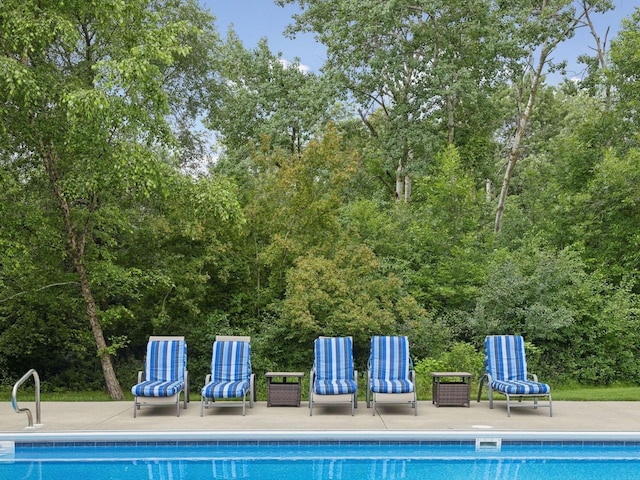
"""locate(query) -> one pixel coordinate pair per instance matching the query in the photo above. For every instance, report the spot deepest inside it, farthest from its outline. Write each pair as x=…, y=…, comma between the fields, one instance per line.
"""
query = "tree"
x=418, y=71
x=624, y=77
x=85, y=91
x=263, y=99
x=534, y=29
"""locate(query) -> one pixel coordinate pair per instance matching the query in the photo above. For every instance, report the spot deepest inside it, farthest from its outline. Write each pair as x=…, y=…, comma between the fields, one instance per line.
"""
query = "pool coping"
x=319, y=436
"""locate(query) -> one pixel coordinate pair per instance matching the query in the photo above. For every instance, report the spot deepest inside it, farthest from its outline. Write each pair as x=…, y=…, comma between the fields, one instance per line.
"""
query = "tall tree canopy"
x=86, y=89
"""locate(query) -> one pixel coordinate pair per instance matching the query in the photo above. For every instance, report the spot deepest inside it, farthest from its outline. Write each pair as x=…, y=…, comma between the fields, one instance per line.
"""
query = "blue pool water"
x=347, y=460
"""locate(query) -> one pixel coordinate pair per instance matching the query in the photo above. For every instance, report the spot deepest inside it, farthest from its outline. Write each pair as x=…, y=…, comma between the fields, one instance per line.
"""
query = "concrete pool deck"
x=101, y=417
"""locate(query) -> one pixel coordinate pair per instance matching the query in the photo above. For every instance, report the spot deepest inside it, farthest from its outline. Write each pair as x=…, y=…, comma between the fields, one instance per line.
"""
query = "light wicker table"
x=284, y=392
x=451, y=388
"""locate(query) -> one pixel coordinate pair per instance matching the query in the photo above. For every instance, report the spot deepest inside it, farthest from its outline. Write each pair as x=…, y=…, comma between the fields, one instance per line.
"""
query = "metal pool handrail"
x=14, y=393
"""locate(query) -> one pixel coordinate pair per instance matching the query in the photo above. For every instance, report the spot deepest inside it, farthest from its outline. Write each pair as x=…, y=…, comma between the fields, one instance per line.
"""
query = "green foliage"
x=461, y=357
x=296, y=231
x=532, y=292
x=623, y=75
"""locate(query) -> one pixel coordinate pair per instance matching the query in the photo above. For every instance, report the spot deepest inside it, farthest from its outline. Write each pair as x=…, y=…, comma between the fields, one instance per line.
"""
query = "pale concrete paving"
x=118, y=417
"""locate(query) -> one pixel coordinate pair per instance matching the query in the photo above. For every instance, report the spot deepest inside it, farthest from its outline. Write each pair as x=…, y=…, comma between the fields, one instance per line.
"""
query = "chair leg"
x=135, y=406
x=252, y=389
x=373, y=412
x=480, y=389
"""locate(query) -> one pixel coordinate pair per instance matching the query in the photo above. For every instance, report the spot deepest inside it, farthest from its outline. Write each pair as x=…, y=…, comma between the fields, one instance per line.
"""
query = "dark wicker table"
x=283, y=392
x=451, y=388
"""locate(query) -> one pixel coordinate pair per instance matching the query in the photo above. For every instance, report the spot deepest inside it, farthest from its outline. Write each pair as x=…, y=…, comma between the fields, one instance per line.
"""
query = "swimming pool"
x=502, y=455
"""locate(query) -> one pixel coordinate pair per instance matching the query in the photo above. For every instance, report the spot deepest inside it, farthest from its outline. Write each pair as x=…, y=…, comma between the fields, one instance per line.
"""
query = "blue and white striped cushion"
x=520, y=387
x=165, y=366
x=391, y=386
x=505, y=358
x=226, y=389
x=333, y=365
x=334, y=387
x=389, y=363
x=230, y=370
x=157, y=388
x=506, y=362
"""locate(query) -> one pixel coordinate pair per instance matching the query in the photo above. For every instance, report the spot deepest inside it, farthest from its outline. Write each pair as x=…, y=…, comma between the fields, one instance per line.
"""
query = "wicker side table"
x=451, y=388
x=283, y=393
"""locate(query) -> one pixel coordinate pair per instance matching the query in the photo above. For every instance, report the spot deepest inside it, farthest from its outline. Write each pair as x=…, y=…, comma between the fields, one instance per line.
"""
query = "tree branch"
x=3, y=300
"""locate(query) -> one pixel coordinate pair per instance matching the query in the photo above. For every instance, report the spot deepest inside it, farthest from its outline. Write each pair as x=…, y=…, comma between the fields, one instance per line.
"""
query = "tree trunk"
x=521, y=128
x=546, y=48
x=76, y=245
x=399, y=183
x=407, y=188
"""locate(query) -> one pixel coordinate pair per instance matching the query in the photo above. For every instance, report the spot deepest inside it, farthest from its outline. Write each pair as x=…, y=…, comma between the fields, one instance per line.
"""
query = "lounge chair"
x=333, y=379
x=230, y=376
x=506, y=373
x=165, y=374
x=391, y=378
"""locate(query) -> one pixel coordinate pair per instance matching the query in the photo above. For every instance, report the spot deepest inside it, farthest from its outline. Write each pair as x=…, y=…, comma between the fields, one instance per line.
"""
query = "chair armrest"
x=140, y=376
x=533, y=377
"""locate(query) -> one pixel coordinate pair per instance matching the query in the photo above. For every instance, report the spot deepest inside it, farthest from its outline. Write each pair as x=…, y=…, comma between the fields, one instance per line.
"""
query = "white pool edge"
x=318, y=436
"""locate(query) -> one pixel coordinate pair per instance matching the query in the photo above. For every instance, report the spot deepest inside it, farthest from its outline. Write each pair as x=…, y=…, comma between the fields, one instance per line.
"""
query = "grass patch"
x=575, y=393
x=597, y=394
x=29, y=396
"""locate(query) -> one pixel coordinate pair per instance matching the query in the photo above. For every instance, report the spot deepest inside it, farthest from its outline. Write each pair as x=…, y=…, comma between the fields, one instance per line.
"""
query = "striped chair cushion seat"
x=520, y=387
x=157, y=388
x=334, y=387
x=391, y=386
x=236, y=389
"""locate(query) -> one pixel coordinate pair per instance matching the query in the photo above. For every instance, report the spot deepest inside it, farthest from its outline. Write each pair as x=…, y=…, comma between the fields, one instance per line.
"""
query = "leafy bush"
x=462, y=357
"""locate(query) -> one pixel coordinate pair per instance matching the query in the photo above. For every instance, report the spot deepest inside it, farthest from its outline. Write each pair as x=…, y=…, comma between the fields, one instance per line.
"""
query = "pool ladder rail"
x=14, y=400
